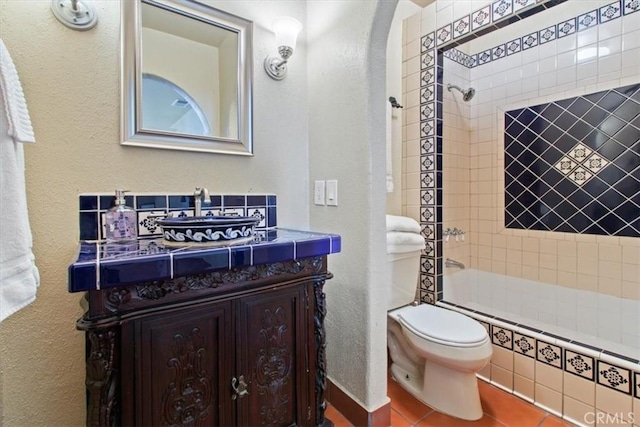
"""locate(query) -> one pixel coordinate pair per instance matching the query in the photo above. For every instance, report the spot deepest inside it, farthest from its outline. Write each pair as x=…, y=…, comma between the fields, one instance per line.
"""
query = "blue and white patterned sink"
x=208, y=229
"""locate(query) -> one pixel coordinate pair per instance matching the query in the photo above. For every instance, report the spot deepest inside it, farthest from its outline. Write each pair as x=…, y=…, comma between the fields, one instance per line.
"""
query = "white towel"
x=401, y=242
x=402, y=223
x=389, y=142
x=19, y=278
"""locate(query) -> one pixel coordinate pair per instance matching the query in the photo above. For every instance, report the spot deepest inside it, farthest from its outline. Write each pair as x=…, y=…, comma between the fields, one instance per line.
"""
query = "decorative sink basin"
x=210, y=230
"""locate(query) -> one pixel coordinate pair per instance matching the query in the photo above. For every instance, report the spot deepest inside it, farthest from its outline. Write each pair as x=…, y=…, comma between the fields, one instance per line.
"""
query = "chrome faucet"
x=201, y=194
x=451, y=263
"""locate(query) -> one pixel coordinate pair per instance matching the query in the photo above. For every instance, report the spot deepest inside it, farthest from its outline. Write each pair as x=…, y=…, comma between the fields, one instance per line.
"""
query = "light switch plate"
x=318, y=193
x=332, y=192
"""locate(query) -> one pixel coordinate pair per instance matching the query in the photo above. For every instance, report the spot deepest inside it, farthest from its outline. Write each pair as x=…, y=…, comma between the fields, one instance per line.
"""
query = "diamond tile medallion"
x=573, y=165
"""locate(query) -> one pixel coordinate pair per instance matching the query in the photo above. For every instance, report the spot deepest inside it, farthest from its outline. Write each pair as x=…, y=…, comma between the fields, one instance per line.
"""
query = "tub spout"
x=200, y=194
x=452, y=263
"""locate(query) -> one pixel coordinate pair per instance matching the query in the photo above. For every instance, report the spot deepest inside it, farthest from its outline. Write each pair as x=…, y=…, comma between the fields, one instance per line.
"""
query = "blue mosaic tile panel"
x=573, y=165
x=149, y=207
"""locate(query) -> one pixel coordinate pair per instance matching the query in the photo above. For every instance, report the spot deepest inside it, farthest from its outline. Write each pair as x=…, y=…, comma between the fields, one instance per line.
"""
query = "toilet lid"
x=442, y=325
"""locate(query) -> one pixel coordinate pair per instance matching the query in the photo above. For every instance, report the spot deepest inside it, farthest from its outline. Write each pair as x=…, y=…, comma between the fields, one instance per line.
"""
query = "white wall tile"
x=610, y=29
x=613, y=402
x=566, y=59
x=567, y=43
x=578, y=412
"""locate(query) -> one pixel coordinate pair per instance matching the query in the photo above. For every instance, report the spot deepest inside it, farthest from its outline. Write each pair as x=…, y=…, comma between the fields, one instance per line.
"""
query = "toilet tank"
x=405, y=270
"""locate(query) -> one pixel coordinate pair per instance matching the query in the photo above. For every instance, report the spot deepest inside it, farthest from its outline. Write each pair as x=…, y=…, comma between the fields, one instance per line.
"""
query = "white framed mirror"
x=186, y=77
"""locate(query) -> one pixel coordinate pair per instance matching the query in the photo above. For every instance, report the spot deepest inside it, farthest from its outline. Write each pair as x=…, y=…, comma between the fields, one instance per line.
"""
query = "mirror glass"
x=186, y=77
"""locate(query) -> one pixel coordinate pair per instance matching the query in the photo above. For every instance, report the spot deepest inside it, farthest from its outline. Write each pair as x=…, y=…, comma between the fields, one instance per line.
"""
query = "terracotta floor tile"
x=398, y=420
x=553, y=421
x=507, y=408
x=436, y=419
x=404, y=402
x=336, y=417
x=501, y=409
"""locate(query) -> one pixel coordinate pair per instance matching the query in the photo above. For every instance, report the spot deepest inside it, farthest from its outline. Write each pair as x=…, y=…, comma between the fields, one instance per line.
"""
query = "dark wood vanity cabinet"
x=239, y=348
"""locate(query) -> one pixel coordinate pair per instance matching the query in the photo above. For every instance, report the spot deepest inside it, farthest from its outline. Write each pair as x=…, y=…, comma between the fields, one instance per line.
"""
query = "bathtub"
x=569, y=351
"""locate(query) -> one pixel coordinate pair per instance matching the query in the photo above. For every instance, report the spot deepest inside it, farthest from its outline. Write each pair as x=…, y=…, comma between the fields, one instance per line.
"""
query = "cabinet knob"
x=239, y=387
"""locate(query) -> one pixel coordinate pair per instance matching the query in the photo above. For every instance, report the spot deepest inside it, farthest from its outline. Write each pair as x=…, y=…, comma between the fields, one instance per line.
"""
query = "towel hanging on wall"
x=389, y=145
x=19, y=278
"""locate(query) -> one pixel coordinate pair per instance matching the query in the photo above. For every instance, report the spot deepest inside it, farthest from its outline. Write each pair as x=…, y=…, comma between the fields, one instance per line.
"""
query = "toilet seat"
x=443, y=326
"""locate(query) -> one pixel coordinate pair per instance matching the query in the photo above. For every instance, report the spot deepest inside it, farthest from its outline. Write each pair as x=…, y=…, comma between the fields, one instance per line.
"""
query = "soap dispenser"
x=120, y=221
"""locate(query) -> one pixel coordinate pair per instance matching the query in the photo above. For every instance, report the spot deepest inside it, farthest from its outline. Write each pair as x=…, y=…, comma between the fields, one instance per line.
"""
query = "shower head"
x=466, y=94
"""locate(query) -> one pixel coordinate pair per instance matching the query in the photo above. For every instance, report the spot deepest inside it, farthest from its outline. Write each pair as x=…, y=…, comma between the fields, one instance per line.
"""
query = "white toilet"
x=435, y=352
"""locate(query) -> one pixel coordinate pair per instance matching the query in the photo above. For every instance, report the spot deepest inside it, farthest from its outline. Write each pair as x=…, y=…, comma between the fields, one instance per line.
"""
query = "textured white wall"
x=346, y=71
x=71, y=82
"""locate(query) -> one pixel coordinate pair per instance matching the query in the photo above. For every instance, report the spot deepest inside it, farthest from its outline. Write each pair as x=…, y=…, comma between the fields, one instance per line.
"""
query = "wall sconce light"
x=75, y=14
x=286, y=29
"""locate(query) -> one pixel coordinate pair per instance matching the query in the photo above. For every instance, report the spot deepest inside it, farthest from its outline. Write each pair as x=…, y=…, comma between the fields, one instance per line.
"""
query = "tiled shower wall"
x=560, y=68
x=601, y=52
x=601, y=56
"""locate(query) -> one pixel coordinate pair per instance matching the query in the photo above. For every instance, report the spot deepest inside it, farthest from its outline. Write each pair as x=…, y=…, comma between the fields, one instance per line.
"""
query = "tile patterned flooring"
x=501, y=409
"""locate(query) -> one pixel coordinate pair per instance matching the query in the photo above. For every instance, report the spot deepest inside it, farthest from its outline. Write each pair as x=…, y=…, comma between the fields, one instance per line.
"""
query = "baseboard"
x=356, y=414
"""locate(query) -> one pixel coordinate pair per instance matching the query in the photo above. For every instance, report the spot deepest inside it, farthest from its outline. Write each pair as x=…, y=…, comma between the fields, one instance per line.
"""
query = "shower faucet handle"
x=448, y=232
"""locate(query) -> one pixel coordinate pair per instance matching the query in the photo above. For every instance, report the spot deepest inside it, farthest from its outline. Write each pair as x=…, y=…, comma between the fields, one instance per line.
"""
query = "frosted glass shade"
x=286, y=29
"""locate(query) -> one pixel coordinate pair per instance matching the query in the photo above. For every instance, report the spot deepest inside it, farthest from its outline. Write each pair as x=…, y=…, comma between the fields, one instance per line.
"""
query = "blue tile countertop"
x=99, y=265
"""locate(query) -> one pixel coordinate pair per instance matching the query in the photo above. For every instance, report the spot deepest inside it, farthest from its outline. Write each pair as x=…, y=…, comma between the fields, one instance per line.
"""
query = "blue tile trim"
x=241, y=257
x=93, y=206
x=149, y=260
x=133, y=271
x=336, y=244
x=81, y=277
x=192, y=262
x=275, y=253
x=306, y=249
x=88, y=203
x=234, y=201
x=256, y=200
x=89, y=225
x=182, y=202
x=151, y=202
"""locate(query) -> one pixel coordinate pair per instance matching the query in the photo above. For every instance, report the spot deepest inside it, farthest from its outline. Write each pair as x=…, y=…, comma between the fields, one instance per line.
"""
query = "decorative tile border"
x=433, y=45
x=549, y=349
x=149, y=207
x=562, y=29
x=579, y=364
x=524, y=345
x=502, y=337
x=614, y=377
x=549, y=354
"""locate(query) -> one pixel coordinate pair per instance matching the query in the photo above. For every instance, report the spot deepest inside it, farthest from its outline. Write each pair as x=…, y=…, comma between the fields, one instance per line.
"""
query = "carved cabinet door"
x=183, y=364
x=273, y=358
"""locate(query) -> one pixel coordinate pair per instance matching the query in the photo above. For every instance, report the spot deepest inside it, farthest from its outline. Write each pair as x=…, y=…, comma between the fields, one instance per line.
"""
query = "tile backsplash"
x=149, y=206
x=572, y=165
